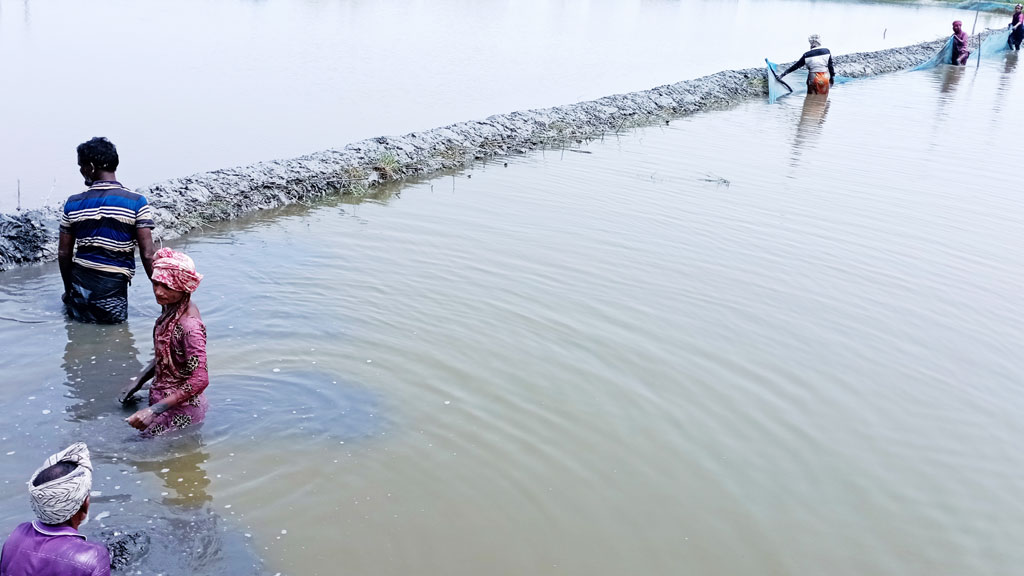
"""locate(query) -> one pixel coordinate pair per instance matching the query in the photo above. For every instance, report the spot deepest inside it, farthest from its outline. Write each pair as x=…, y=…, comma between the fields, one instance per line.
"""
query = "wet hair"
x=99, y=152
x=58, y=470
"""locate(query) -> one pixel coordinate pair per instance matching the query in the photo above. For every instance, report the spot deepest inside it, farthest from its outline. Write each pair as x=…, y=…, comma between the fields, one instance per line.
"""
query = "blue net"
x=995, y=43
x=943, y=56
x=777, y=88
x=986, y=6
x=992, y=46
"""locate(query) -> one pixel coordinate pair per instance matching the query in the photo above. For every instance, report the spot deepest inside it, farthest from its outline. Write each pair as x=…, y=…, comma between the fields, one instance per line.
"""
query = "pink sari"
x=179, y=341
x=960, y=45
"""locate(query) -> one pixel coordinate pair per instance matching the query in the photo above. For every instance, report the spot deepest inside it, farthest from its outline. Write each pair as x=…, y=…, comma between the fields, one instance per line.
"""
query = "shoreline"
x=183, y=204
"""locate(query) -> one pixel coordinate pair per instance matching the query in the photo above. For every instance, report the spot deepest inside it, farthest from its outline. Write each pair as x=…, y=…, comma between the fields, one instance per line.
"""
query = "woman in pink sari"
x=960, y=45
x=176, y=398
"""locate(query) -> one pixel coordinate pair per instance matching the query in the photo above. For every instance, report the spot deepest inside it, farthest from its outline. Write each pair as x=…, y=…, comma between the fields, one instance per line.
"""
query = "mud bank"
x=28, y=236
x=182, y=204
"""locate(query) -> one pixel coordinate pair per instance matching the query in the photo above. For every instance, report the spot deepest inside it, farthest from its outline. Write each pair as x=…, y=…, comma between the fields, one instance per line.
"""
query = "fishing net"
x=995, y=43
x=986, y=6
x=777, y=88
x=943, y=56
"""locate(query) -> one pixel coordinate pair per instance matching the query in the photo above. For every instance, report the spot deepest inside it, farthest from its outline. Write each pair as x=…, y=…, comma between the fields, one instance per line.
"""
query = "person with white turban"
x=52, y=545
x=821, y=73
x=178, y=370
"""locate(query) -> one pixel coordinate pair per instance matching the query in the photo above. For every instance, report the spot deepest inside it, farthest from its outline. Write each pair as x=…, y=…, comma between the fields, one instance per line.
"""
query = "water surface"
x=769, y=340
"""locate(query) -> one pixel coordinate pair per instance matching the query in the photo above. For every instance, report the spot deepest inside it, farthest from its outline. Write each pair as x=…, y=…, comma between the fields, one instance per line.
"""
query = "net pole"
x=973, y=28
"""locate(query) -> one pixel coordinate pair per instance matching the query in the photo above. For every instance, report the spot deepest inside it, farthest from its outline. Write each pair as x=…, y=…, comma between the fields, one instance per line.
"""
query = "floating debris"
x=715, y=180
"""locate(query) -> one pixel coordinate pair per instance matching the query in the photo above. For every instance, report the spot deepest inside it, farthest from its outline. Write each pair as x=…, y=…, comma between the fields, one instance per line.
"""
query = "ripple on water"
x=292, y=404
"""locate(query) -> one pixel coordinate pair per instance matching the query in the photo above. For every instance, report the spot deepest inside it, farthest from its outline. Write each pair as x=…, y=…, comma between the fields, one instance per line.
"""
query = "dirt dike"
x=183, y=204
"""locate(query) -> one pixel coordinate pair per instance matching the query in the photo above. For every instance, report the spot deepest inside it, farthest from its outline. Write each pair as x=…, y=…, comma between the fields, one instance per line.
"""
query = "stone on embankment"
x=28, y=236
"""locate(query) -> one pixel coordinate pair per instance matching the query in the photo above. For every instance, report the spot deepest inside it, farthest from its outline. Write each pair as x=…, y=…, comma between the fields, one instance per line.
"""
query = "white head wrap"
x=814, y=40
x=56, y=501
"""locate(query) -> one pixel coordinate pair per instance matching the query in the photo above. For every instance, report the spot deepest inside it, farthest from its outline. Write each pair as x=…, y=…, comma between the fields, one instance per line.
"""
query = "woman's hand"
x=141, y=419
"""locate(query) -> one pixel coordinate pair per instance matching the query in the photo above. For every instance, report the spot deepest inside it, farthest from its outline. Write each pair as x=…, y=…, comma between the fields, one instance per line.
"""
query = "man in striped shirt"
x=106, y=222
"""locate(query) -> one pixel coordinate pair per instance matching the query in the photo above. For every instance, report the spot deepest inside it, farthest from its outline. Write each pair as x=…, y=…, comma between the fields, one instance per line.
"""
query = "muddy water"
x=770, y=340
x=190, y=86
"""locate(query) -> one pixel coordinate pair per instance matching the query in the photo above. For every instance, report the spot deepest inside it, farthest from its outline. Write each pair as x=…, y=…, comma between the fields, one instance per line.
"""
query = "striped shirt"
x=817, y=60
x=104, y=220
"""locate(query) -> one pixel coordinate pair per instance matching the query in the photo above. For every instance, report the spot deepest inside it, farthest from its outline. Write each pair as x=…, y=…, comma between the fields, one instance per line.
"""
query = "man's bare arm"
x=65, y=252
x=146, y=249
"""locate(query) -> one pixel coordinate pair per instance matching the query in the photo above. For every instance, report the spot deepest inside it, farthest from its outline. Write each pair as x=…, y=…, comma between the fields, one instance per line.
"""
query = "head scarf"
x=178, y=272
x=814, y=40
x=961, y=35
x=175, y=270
x=56, y=501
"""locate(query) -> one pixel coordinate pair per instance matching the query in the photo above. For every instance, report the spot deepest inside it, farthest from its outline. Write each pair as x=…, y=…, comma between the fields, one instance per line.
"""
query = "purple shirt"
x=37, y=549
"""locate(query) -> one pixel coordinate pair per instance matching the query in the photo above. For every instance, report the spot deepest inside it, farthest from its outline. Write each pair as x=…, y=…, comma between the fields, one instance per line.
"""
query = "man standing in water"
x=821, y=74
x=106, y=222
x=59, y=493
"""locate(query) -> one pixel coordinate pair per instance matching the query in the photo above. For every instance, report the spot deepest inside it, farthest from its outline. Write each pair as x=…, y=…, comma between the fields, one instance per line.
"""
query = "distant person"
x=178, y=370
x=1016, y=28
x=105, y=223
x=821, y=74
x=51, y=545
x=960, y=45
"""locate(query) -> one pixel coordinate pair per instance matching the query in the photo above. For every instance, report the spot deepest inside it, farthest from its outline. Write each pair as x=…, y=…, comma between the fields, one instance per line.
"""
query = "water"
x=189, y=86
x=769, y=340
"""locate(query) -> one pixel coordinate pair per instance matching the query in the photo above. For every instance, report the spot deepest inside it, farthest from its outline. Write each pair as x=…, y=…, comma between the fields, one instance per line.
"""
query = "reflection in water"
x=812, y=119
x=98, y=361
x=1009, y=66
x=951, y=76
x=183, y=533
x=180, y=469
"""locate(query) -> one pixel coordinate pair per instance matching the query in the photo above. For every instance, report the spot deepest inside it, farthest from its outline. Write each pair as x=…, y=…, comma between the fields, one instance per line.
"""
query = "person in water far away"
x=821, y=74
x=176, y=398
x=1016, y=28
x=51, y=545
x=960, y=44
x=106, y=222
